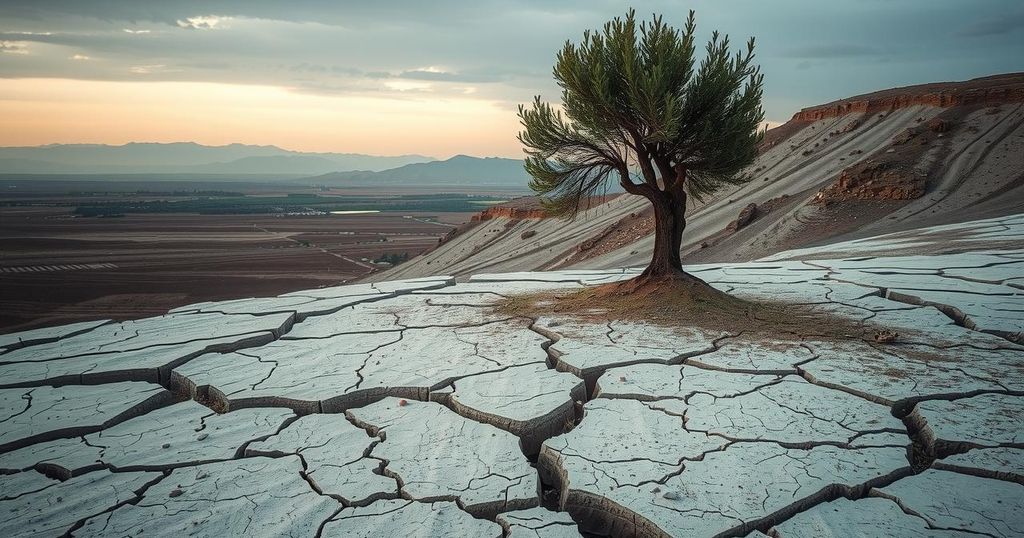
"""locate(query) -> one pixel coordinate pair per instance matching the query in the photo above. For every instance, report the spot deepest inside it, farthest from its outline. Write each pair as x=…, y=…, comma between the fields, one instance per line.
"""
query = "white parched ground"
x=414, y=408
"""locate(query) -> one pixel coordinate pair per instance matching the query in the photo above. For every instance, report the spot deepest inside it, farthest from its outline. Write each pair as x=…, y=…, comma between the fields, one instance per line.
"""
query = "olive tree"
x=638, y=109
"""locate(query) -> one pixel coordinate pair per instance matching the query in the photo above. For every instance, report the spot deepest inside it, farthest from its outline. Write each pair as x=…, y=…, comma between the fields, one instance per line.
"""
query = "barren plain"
x=58, y=268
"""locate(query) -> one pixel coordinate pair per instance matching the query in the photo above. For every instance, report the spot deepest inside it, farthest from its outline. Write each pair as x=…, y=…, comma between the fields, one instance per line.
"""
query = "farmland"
x=57, y=265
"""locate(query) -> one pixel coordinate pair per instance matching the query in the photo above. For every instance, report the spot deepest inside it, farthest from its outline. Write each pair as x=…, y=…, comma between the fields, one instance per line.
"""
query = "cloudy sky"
x=434, y=77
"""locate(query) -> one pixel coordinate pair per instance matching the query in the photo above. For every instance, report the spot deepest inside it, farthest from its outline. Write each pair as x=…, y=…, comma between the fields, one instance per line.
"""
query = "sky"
x=435, y=78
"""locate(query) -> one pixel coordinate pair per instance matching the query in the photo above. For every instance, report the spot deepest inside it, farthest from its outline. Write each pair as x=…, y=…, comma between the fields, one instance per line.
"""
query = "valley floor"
x=58, y=268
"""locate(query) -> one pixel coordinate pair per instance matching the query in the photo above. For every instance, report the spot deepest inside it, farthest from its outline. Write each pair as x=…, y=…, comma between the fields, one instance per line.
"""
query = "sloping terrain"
x=416, y=408
x=884, y=162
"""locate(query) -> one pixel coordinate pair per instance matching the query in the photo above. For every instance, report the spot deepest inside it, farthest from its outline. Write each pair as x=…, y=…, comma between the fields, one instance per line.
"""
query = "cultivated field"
x=58, y=268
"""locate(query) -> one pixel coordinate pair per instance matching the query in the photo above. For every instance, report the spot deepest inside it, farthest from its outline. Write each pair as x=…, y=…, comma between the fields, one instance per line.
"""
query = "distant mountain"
x=460, y=170
x=283, y=164
x=186, y=158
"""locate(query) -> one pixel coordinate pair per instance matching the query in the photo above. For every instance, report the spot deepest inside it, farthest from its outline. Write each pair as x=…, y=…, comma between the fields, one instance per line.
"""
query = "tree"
x=635, y=109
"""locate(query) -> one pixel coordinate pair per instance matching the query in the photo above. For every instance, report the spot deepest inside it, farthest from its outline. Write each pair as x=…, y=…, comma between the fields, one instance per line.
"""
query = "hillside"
x=460, y=170
x=185, y=158
x=892, y=160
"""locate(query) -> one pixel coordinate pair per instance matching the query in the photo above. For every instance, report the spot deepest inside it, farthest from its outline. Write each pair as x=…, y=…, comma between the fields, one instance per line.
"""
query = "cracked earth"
x=413, y=408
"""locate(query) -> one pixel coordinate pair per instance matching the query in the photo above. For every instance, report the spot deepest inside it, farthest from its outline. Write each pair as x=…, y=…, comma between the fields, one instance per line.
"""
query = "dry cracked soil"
x=415, y=408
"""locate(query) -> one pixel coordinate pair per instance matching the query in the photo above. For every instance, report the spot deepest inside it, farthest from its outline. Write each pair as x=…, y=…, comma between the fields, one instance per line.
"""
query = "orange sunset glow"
x=43, y=111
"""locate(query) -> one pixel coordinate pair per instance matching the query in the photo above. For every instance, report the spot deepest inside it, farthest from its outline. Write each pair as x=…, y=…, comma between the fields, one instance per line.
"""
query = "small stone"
x=175, y=493
x=166, y=445
x=886, y=336
x=202, y=436
x=622, y=378
x=656, y=489
x=402, y=403
x=670, y=495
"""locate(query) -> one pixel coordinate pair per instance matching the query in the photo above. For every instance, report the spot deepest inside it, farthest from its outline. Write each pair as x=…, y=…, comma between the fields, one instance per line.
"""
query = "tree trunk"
x=664, y=279
x=669, y=223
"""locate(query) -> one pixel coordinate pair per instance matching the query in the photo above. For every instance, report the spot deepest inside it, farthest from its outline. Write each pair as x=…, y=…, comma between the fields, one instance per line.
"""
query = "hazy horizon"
x=278, y=146
x=435, y=80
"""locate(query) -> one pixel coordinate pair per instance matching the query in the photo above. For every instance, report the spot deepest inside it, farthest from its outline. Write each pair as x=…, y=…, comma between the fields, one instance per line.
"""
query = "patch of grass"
x=675, y=303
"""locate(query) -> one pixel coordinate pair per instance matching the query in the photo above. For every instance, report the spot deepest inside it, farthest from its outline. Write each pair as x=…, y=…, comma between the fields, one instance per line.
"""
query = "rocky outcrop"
x=939, y=125
x=746, y=216
x=981, y=91
x=894, y=172
x=509, y=212
x=875, y=180
x=849, y=127
x=530, y=207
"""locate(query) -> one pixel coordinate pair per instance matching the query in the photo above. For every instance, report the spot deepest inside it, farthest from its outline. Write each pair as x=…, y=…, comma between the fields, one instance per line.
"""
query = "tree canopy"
x=636, y=108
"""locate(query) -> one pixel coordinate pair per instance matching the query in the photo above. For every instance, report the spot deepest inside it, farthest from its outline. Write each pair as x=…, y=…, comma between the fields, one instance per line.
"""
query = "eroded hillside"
x=891, y=160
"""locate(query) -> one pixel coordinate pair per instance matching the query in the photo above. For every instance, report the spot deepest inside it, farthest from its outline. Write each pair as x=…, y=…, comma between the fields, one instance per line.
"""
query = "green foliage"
x=637, y=107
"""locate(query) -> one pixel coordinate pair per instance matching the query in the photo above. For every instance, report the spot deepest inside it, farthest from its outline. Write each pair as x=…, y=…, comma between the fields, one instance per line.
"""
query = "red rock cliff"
x=993, y=90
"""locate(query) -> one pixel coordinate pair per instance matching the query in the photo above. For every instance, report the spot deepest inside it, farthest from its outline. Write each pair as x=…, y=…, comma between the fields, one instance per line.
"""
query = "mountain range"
x=187, y=158
x=184, y=160
x=460, y=170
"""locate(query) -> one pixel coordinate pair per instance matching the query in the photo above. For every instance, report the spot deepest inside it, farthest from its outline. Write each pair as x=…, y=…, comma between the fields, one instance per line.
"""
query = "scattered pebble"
x=402, y=403
x=202, y=436
x=886, y=336
x=175, y=493
x=166, y=445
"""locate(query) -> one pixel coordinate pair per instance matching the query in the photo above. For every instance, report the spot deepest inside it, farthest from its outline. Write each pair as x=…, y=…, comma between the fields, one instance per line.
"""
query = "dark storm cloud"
x=995, y=26
x=500, y=50
x=831, y=51
x=334, y=12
